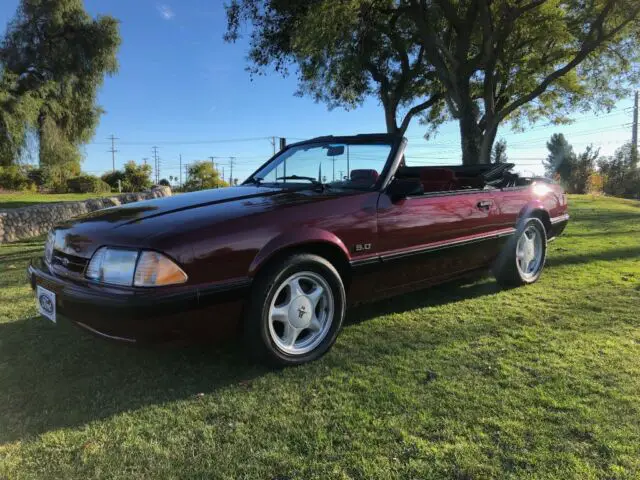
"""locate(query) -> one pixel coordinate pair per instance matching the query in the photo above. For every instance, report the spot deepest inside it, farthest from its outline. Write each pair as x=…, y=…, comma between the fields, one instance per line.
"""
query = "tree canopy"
x=344, y=52
x=560, y=158
x=53, y=60
x=202, y=175
x=488, y=61
x=621, y=172
x=499, y=154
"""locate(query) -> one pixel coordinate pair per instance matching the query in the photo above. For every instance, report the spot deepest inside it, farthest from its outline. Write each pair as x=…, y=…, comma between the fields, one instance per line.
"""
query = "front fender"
x=296, y=238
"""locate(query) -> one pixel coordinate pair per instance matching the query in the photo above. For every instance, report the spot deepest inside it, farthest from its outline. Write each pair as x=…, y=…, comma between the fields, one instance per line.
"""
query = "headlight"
x=541, y=189
x=114, y=266
x=48, y=247
x=117, y=266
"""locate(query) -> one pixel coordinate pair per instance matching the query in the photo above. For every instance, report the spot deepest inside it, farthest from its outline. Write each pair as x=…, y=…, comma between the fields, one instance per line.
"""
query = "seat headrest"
x=364, y=175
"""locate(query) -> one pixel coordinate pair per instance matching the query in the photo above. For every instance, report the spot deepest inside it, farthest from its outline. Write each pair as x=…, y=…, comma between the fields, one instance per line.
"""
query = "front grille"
x=68, y=264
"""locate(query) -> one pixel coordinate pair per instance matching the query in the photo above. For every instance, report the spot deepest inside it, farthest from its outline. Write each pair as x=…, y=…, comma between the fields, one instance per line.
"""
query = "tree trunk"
x=470, y=137
x=43, y=160
x=390, y=119
x=486, y=146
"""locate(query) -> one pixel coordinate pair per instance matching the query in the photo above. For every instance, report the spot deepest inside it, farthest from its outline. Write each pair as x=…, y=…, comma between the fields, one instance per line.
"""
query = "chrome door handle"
x=484, y=204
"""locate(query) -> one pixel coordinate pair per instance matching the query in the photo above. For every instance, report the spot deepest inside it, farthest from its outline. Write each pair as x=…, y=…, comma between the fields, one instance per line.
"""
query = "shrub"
x=58, y=175
x=134, y=178
x=87, y=184
x=596, y=183
x=15, y=177
x=38, y=176
x=113, y=179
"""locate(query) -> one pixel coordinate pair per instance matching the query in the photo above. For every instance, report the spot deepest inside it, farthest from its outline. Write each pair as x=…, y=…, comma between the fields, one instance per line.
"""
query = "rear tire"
x=522, y=259
x=296, y=311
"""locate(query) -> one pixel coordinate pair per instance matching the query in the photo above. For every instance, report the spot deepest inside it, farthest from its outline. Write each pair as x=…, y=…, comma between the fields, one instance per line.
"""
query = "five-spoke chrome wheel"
x=301, y=313
x=529, y=252
x=522, y=258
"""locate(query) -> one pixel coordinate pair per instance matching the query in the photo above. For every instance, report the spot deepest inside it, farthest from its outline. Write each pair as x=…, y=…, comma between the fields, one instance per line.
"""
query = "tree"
x=202, y=175
x=621, y=173
x=560, y=160
x=56, y=56
x=583, y=167
x=499, y=154
x=492, y=61
x=345, y=52
x=18, y=115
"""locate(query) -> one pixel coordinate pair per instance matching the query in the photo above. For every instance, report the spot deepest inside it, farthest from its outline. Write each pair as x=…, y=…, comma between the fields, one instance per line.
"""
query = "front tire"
x=522, y=260
x=296, y=310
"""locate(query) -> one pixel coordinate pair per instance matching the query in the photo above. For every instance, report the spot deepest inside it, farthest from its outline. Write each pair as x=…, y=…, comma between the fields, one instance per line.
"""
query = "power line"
x=189, y=142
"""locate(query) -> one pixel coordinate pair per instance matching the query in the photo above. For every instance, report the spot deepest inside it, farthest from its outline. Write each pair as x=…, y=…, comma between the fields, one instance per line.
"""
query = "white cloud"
x=165, y=11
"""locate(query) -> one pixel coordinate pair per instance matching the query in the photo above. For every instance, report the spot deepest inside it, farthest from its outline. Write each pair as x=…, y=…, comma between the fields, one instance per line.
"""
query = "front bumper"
x=143, y=315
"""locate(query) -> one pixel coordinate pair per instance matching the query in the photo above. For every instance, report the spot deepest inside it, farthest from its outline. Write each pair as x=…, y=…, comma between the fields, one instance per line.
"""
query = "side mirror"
x=403, y=188
x=335, y=150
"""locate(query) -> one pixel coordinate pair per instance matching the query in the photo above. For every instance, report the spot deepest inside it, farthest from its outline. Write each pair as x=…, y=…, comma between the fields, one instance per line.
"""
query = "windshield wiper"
x=309, y=179
x=298, y=177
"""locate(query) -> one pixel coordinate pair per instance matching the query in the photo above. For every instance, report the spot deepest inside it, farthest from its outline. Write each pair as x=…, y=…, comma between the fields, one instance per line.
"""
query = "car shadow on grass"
x=612, y=254
x=56, y=376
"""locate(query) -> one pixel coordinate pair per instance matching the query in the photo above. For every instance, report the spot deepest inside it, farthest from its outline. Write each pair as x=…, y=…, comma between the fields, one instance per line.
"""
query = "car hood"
x=135, y=212
x=137, y=224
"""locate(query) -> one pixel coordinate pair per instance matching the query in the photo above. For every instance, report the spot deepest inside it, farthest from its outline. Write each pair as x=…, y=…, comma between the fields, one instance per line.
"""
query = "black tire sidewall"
x=267, y=284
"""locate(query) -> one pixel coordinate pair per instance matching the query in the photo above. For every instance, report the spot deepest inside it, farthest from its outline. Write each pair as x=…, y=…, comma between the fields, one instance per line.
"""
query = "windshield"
x=340, y=165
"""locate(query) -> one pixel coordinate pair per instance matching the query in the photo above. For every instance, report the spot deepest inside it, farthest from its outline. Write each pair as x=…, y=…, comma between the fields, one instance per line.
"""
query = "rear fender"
x=535, y=208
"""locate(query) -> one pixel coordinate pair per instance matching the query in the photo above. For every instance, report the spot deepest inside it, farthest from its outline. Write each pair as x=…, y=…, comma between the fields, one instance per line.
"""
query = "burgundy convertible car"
x=324, y=224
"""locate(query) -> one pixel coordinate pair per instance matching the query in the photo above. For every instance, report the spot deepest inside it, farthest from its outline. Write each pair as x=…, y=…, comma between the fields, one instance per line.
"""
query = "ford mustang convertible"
x=324, y=224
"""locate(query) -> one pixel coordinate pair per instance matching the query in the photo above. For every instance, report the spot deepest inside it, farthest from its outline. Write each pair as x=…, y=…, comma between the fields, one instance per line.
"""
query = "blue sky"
x=181, y=88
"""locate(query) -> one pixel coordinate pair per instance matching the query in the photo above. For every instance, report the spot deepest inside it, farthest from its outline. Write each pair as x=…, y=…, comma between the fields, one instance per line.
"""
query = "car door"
x=428, y=238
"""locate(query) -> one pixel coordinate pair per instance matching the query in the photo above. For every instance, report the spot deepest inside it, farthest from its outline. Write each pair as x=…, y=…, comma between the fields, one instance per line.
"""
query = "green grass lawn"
x=26, y=199
x=464, y=381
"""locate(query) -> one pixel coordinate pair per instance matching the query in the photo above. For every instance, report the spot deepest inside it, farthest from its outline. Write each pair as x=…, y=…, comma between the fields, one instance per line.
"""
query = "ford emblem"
x=46, y=304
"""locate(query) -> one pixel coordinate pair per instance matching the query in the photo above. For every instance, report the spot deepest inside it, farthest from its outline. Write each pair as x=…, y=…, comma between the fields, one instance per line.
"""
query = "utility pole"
x=341, y=174
x=231, y=160
x=213, y=162
x=156, y=162
x=180, y=170
x=634, y=133
x=113, y=151
x=144, y=160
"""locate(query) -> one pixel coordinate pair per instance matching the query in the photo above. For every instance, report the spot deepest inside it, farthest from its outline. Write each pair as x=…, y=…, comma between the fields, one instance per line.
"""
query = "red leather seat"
x=438, y=179
x=364, y=177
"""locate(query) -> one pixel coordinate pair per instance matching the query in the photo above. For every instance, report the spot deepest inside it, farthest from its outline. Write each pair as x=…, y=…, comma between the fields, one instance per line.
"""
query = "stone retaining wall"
x=20, y=223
